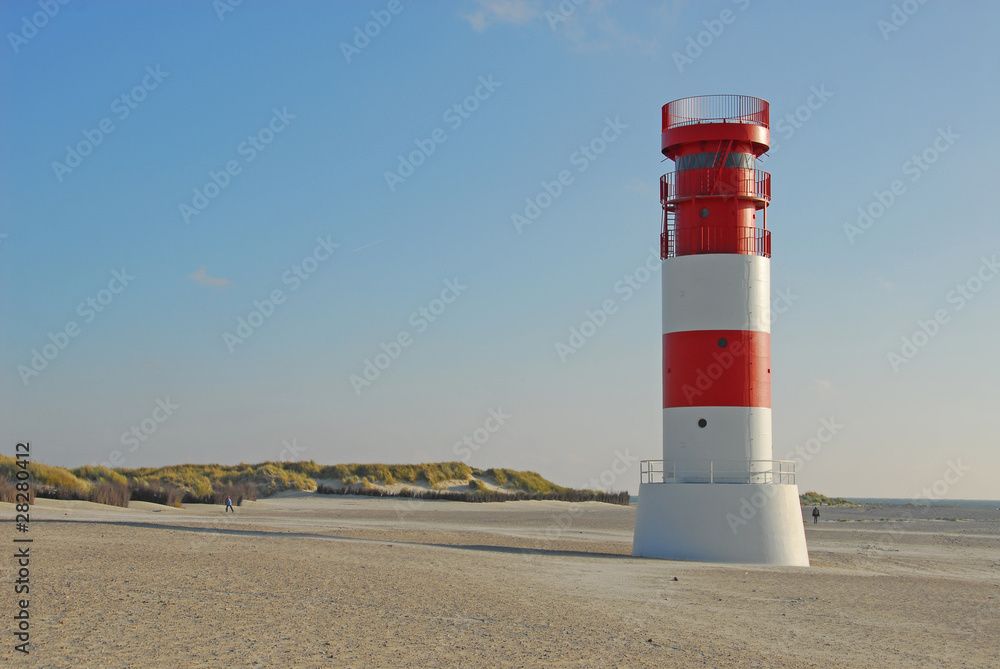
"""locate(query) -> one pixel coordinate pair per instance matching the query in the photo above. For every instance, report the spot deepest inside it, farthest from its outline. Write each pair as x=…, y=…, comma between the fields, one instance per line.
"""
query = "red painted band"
x=698, y=370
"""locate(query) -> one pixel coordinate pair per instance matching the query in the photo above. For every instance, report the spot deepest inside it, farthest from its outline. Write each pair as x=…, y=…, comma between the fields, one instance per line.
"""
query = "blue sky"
x=353, y=256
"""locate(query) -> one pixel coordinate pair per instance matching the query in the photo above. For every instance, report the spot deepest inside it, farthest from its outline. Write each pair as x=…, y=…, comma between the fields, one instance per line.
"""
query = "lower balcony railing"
x=717, y=471
x=695, y=241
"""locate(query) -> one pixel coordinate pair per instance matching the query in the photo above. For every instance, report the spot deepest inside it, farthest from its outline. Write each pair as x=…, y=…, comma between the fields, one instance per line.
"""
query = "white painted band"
x=730, y=433
x=717, y=292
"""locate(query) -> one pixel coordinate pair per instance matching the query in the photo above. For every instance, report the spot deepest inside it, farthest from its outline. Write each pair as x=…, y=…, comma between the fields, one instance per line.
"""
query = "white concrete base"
x=736, y=523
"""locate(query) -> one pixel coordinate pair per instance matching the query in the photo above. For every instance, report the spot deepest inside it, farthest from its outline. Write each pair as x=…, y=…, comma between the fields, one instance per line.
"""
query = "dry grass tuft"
x=113, y=493
x=9, y=491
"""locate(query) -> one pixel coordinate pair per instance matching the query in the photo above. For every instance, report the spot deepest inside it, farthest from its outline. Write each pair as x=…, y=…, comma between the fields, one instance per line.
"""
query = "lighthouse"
x=717, y=495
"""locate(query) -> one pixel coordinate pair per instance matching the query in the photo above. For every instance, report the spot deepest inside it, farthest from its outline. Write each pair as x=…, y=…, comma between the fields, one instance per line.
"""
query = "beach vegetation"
x=211, y=483
x=98, y=474
x=566, y=495
x=434, y=474
x=8, y=492
x=529, y=482
x=113, y=493
x=157, y=492
x=46, y=480
x=816, y=499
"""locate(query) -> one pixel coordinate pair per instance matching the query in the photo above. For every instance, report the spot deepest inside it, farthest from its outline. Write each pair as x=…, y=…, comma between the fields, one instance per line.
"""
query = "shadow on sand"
x=332, y=537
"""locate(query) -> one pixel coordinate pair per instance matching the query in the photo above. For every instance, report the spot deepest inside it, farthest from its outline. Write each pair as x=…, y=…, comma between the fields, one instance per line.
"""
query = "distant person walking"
x=815, y=515
x=229, y=504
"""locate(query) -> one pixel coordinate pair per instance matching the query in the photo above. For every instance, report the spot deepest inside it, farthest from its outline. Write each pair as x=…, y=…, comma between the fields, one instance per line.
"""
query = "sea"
x=963, y=503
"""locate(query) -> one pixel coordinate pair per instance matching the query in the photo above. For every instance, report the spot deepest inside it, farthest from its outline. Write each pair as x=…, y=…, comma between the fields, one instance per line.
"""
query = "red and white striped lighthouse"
x=717, y=495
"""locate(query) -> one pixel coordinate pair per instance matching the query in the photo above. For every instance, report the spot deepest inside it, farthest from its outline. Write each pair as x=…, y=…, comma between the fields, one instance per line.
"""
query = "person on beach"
x=815, y=515
x=229, y=504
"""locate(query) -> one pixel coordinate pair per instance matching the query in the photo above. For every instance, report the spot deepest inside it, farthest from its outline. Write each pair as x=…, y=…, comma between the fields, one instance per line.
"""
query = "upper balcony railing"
x=717, y=471
x=713, y=182
x=716, y=109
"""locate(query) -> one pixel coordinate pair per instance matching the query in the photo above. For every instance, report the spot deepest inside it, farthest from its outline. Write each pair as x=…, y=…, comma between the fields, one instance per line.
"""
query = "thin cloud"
x=641, y=187
x=515, y=12
x=367, y=245
x=585, y=25
x=205, y=279
x=889, y=286
x=826, y=387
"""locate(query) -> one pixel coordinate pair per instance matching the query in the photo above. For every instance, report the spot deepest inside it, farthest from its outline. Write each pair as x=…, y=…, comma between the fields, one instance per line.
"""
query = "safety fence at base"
x=717, y=471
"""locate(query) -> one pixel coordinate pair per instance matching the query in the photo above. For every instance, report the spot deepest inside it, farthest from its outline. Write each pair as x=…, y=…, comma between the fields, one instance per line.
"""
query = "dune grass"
x=816, y=499
x=110, y=492
x=212, y=483
x=98, y=474
x=434, y=474
x=481, y=495
x=529, y=482
x=47, y=481
x=8, y=492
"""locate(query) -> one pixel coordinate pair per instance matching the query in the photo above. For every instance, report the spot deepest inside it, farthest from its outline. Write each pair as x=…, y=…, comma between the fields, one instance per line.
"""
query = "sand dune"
x=311, y=580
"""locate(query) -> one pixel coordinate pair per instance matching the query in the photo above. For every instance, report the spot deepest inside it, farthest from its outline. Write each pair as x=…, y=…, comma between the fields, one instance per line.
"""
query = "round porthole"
x=704, y=213
x=702, y=422
x=723, y=343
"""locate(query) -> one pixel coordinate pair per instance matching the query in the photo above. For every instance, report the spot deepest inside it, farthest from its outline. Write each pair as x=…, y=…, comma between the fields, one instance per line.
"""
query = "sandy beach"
x=309, y=580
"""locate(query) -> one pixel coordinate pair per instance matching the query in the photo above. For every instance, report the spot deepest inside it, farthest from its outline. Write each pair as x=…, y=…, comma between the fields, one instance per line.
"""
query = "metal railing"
x=715, y=182
x=695, y=241
x=716, y=109
x=717, y=471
